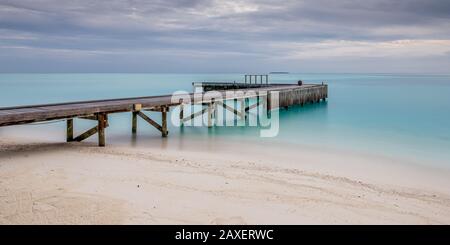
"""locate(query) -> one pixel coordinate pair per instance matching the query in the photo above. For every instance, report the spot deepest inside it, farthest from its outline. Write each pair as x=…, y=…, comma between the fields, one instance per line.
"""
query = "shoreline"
x=148, y=137
x=79, y=183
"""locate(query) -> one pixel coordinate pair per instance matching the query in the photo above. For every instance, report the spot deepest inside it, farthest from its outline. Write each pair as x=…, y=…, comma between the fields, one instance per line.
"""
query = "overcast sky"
x=406, y=36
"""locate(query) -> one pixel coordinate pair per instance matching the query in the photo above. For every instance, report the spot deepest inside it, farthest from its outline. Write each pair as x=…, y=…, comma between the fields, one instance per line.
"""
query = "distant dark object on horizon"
x=279, y=72
x=300, y=82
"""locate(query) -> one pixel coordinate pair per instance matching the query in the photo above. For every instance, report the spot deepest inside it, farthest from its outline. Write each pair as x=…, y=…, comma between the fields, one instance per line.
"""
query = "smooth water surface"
x=393, y=115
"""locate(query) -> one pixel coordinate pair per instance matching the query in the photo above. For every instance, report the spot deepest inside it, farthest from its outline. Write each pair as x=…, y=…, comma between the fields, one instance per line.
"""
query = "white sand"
x=60, y=183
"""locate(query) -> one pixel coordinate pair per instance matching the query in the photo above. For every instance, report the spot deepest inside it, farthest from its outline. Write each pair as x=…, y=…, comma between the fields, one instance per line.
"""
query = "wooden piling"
x=235, y=107
x=242, y=109
x=210, y=114
x=164, y=131
x=134, y=122
x=258, y=101
x=69, y=129
x=136, y=108
x=181, y=111
x=101, y=129
x=247, y=103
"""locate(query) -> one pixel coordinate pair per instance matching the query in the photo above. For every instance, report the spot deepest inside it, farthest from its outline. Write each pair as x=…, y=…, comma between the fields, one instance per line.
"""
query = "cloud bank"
x=224, y=36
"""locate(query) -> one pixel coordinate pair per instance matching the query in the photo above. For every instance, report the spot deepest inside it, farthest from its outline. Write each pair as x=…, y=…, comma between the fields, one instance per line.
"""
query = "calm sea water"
x=394, y=115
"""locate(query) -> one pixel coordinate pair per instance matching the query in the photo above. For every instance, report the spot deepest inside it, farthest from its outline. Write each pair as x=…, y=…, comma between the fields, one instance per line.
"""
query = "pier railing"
x=254, y=79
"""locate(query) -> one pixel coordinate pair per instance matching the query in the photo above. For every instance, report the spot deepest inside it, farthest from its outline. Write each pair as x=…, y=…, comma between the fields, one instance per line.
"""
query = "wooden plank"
x=86, y=134
x=90, y=117
x=157, y=109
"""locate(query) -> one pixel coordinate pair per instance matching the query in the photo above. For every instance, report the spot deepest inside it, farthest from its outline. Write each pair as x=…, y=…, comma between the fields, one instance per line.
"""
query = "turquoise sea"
x=405, y=116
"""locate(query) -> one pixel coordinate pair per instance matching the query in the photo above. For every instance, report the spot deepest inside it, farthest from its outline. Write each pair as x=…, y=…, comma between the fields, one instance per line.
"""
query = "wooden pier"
x=98, y=110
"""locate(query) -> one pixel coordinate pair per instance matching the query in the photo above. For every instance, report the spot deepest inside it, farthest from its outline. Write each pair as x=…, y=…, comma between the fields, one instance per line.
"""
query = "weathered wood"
x=102, y=123
x=150, y=121
x=164, y=131
x=101, y=128
x=302, y=95
x=134, y=122
x=210, y=114
x=89, y=117
x=214, y=86
x=194, y=115
x=137, y=107
x=231, y=109
x=155, y=109
x=181, y=110
x=163, y=127
x=69, y=129
x=86, y=134
x=247, y=102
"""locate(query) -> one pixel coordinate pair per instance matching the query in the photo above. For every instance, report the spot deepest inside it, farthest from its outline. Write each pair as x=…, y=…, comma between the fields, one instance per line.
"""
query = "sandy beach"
x=215, y=113
x=79, y=183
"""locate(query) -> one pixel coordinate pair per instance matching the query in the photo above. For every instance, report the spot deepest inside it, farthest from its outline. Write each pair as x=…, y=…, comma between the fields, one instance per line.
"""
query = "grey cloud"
x=225, y=29
x=316, y=19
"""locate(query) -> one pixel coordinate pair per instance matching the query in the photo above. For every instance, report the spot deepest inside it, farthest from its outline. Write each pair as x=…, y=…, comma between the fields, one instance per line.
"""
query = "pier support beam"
x=242, y=108
x=69, y=129
x=101, y=129
x=136, y=109
x=102, y=123
x=134, y=122
x=210, y=114
x=194, y=115
x=249, y=107
x=181, y=112
x=231, y=109
x=86, y=134
x=235, y=108
x=164, y=121
x=163, y=127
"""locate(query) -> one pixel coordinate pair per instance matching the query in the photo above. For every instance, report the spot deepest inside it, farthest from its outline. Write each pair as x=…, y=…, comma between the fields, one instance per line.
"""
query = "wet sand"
x=79, y=183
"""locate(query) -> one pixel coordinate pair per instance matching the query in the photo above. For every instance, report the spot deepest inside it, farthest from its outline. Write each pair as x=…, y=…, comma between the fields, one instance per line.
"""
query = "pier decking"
x=98, y=110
